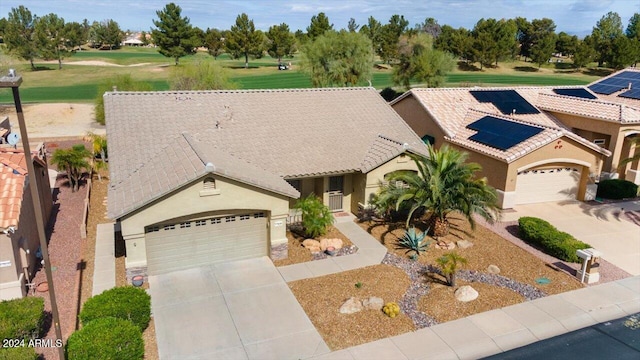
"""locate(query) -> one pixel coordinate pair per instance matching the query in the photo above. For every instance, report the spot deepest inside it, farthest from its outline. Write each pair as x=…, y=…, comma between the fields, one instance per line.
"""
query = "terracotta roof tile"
x=12, y=182
x=455, y=108
x=286, y=133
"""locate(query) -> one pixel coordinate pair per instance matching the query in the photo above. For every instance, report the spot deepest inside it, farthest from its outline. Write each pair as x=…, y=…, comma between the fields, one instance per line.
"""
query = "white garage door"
x=189, y=244
x=547, y=185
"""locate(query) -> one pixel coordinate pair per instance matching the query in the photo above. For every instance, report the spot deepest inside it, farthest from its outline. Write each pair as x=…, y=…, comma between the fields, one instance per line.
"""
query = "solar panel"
x=617, y=82
x=507, y=101
x=575, y=92
x=501, y=134
x=631, y=94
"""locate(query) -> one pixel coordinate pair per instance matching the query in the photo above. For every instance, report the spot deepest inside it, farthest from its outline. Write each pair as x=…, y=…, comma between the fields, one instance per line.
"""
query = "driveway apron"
x=235, y=310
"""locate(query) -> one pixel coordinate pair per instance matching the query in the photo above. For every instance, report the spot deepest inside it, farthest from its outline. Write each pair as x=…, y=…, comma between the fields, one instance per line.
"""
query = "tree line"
x=341, y=57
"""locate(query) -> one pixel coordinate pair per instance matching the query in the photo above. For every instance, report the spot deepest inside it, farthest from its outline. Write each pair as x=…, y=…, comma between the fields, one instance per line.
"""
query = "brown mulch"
x=322, y=297
x=298, y=254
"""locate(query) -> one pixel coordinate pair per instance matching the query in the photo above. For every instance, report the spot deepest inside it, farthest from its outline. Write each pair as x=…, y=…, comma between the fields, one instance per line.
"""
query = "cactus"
x=413, y=240
x=391, y=309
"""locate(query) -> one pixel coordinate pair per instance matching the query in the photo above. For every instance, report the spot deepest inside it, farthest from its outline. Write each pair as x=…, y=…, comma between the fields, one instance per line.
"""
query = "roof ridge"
x=242, y=91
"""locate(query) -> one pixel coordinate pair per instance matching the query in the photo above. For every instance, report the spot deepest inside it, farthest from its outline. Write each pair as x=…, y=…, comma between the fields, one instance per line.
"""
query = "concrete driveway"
x=236, y=310
x=601, y=226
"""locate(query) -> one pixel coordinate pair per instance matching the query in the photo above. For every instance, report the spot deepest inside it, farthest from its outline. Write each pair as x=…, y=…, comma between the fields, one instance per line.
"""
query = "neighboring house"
x=207, y=176
x=526, y=153
x=19, y=241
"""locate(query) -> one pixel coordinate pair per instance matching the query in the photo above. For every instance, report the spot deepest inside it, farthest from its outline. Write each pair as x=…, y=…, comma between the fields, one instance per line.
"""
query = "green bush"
x=316, y=216
x=128, y=303
x=18, y=353
x=106, y=338
x=617, y=189
x=552, y=241
x=21, y=318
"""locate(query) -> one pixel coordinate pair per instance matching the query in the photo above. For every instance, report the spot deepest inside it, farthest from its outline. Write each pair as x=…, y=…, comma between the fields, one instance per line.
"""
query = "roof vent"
x=630, y=86
x=209, y=167
x=406, y=146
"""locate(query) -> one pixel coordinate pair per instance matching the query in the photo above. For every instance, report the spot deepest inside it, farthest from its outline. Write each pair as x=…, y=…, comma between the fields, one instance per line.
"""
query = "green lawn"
x=79, y=83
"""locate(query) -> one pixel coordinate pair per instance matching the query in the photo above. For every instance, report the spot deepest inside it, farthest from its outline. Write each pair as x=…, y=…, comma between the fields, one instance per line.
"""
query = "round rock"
x=493, y=269
x=466, y=293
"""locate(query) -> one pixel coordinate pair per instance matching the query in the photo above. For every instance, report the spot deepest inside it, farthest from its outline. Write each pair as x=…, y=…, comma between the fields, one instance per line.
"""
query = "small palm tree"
x=445, y=183
x=74, y=162
x=316, y=216
x=449, y=263
x=99, y=146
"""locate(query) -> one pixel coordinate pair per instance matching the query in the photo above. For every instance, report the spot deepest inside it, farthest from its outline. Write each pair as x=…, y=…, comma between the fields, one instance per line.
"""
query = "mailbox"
x=590, y=266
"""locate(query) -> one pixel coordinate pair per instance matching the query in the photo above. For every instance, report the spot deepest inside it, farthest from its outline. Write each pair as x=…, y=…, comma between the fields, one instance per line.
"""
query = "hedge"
x=552, y=241
x=21, y=318
x=19, y=353
x=106, y=338
x=616, y=189
x=128, y=303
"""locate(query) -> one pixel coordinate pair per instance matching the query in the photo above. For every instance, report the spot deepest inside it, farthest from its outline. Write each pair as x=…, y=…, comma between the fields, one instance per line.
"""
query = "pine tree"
x=174, y=34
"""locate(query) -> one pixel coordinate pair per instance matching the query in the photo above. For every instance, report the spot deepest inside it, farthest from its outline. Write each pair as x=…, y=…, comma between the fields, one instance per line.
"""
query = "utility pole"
x=13, y=81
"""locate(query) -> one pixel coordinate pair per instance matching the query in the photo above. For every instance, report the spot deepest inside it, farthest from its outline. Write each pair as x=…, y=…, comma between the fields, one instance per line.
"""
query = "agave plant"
x=414, y=240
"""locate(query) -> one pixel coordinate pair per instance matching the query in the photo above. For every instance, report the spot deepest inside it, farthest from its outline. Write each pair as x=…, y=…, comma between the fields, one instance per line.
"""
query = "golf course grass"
x=79, y=82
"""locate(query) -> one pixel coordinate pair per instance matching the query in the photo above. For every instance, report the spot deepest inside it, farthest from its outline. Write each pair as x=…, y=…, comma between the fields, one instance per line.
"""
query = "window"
x=150, y=229
x=229, y=218
x=185, y=225
x=169, y=227
x=258, y=215
x=244, y=217
x=216, y=221
x=201, y=222
x=599, y=141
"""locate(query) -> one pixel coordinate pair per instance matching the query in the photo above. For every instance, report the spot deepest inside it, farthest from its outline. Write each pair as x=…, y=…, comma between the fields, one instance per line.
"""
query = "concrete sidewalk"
x=104, y=271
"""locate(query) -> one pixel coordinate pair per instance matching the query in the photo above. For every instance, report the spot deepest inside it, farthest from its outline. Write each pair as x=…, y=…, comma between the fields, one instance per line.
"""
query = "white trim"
x=556, y=160
x=630, y=132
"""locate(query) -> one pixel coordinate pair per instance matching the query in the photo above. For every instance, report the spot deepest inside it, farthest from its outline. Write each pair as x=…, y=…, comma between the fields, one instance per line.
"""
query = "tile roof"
x=455, y=108
x=13, y=168
x=285, y=133
x=614, y=98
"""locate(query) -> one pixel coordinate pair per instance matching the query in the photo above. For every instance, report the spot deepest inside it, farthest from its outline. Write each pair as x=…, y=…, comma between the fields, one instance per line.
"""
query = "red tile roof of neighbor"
x=13, y=168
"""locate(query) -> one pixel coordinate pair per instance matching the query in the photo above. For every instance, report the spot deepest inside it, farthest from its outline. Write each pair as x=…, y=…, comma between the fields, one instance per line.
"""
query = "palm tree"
x=449, y=264
x=445, y=183
x=99, y=146
x=73, y=161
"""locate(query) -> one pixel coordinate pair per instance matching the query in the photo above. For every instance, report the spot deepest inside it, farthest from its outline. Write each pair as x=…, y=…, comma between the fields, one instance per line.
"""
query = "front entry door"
x=336, y=187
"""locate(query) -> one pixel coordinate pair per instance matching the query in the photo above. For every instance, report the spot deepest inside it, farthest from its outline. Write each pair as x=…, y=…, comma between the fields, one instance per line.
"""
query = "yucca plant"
x=449, y=263
x=414, y=240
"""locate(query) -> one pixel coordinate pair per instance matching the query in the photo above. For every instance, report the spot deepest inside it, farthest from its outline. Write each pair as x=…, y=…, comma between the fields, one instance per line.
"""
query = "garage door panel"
x=547, y=185
x=220, y=239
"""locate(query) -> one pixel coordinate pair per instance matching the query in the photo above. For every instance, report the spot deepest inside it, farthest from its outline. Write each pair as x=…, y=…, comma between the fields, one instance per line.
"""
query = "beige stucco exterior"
x=191, y=202
x=375, y=177
x=500, y=174
x=18, y=247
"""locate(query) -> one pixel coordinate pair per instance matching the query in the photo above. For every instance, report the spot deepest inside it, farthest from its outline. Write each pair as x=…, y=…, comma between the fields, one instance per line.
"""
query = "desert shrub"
x=389, y=94
x=18, y=353
x=106, y=338
x=617, y=189
x=413, y=240
x=21, y=318
x=316, y=216
x=128, y=303
x=552, y=241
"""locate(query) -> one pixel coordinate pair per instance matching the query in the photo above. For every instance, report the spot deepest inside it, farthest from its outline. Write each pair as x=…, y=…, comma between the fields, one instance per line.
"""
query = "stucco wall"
x=376, y=176
x=231, y=195
x=419, y=119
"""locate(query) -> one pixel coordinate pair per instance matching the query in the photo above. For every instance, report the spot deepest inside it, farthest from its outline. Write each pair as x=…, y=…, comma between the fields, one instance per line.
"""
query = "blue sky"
x=572, y=16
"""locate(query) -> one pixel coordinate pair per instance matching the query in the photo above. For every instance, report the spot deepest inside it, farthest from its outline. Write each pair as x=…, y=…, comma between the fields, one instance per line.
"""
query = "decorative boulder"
x=466, y=293
x=493, y=269
x=312, y=245
x=463, y=244
x=325, y=243
x=353, y=305
x=373, y=303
